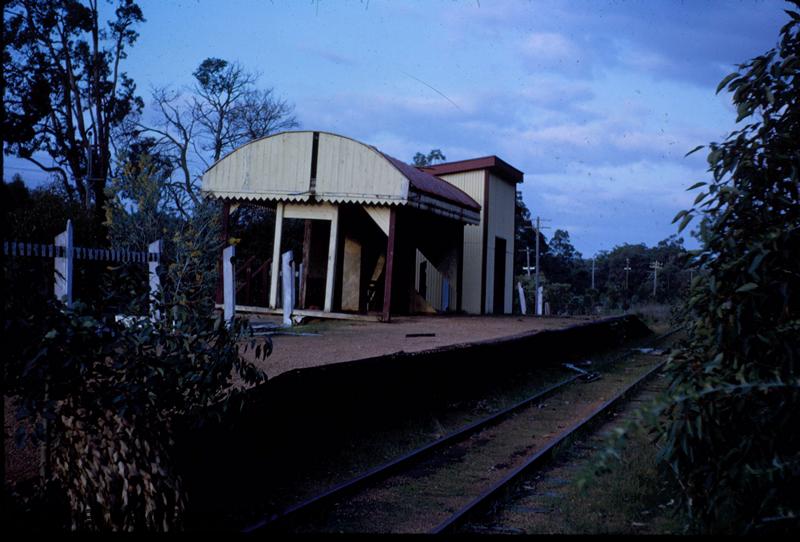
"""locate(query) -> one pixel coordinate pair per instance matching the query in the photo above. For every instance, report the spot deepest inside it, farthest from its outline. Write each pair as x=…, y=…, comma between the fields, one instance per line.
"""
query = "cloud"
x=601, y=206
x=548, y=47
x=698, y=43
x=335, y=58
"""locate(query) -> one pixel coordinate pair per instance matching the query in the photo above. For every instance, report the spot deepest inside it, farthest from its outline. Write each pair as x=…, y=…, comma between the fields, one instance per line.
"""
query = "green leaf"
x=694, y=150
x=743, y=110
x=678, y=216
x=686, y=219
x=696, y=185
x=747, y=287
x=727, y=80
x=756, y=262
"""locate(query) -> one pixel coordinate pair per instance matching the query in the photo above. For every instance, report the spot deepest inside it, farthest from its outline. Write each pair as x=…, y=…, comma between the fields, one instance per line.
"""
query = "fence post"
x=63, y=266
x=539, y=300
x=155, y=281
x=229, y=283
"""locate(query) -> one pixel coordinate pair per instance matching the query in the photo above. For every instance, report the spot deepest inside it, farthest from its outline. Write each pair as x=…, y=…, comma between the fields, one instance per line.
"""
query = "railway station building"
x=379, y=237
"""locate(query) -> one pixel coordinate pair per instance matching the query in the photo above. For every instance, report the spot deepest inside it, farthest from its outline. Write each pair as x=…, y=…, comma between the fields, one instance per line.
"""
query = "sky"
x=597, y=102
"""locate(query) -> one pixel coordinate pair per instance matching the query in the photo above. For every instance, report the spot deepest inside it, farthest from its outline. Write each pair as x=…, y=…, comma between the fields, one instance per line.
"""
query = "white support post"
x=331, y=261
x=287, y=268
x=276, y=257
x=539, y=300
x=63, y=266
x=523, y=307
x=229, y=283
x=155, y=282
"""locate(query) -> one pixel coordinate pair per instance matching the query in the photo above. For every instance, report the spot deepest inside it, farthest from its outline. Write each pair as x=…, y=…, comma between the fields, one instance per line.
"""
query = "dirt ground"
x=336, y=341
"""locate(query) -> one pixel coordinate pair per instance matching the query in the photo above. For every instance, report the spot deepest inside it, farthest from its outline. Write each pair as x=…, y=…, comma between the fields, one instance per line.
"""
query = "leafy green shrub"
x=729, y=421
x=103, y=396
x=734, y=410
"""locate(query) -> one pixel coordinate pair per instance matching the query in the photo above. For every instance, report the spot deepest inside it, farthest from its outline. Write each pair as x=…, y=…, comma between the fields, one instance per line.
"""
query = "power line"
x=655, y=266
x=538, y=295
x=627, y=270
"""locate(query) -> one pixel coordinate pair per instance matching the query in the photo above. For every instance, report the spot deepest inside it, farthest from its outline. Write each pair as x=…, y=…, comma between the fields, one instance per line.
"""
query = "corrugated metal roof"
x=433, y=186
x=278, y=168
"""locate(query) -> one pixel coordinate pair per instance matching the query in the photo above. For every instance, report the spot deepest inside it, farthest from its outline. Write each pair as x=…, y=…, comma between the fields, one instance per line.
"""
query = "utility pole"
x=655, y=266
x=539, y=305
x=627, y=270
x=528, y=267
x=592, y=273
x=538, y=227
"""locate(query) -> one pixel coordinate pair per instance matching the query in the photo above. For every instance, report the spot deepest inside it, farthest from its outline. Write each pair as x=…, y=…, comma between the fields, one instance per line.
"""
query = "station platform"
x=327, y=342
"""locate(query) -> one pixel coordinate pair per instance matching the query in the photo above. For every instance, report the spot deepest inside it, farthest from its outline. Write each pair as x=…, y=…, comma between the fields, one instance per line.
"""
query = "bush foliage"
x=102, y=394
x=734, y=410
x=728, y=425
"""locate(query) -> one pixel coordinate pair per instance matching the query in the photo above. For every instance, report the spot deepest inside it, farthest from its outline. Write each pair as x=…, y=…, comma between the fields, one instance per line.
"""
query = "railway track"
x=537, y=503
x=365, y=504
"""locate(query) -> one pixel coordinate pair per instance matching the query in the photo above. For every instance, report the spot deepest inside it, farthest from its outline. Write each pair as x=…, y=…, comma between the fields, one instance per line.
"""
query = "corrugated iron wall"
x=471, y=182
x=502, y=199
x=434, y=285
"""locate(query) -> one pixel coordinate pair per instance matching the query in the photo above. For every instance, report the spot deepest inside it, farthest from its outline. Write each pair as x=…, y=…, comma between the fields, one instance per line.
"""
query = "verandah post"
x=229, y=285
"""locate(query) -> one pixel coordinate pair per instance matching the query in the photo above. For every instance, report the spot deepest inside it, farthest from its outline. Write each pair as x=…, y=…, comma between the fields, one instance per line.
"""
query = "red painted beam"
x=387, y=280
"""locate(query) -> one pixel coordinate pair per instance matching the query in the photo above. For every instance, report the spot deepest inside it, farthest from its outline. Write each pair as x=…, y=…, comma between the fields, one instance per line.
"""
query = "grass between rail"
x=634, y=497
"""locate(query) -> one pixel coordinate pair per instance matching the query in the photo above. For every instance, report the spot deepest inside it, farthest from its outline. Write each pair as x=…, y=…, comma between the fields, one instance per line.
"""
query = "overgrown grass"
x=635, y=495
x=657, y=316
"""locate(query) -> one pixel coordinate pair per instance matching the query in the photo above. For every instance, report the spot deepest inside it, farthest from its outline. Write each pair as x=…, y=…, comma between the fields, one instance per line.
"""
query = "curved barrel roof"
x=307, y=166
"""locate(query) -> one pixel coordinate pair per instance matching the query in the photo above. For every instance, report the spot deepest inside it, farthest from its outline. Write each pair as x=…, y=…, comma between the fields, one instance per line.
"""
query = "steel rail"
x=386, y=469
x=539, y=458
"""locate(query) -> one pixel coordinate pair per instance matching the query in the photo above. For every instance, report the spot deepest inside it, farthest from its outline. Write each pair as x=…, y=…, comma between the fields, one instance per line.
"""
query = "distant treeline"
x=623, y=276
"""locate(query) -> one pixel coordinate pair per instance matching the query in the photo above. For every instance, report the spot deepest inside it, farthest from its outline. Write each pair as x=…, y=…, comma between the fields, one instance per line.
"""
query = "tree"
x=561, y=261
x=619, y=288
x=175, y=143
x=729, y=420
x=425, y=160
x=260, y=113
x=65, y=93
x=221, y=85
x=110, y=393
x=224, y=110
x=735, y=410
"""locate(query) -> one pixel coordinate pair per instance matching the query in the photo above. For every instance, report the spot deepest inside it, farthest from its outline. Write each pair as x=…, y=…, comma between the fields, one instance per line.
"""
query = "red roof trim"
x=497, y=166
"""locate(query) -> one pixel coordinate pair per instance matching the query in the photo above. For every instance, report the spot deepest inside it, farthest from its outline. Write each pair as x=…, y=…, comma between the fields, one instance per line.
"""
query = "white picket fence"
x=64, y=253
